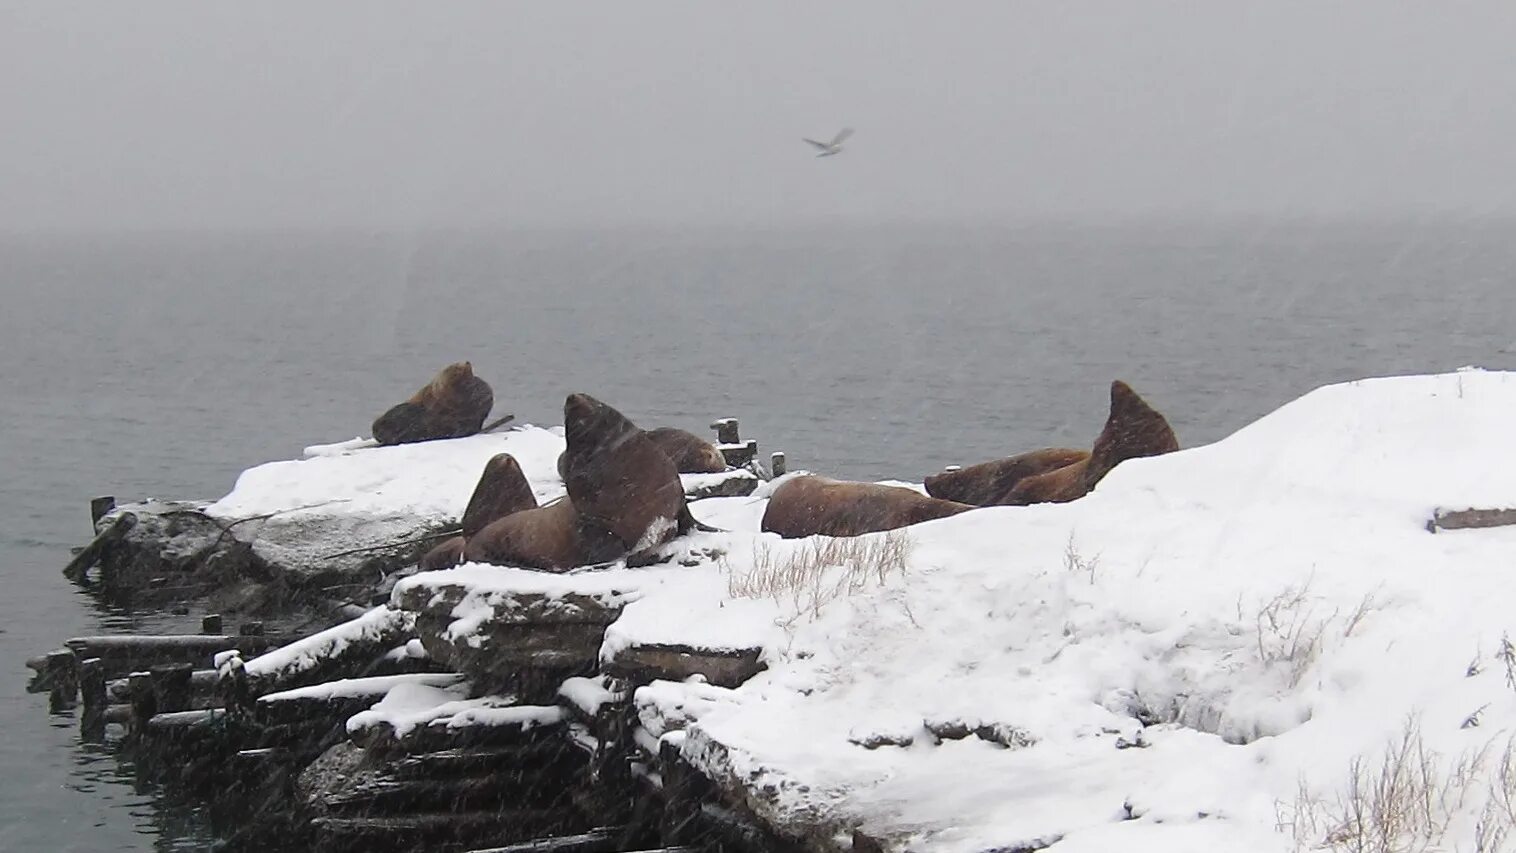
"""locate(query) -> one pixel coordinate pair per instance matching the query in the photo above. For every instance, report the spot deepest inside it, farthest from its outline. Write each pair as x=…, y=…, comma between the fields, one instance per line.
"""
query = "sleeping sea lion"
x=554, y=537
x=690, y=453
x=502, y=490
x=989, y=483
x=1133, y=429
x=454, y=404
x=808, y=505
x=617, y=478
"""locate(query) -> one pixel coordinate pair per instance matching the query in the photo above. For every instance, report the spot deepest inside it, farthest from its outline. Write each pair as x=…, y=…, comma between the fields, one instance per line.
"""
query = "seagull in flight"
x=835, y=146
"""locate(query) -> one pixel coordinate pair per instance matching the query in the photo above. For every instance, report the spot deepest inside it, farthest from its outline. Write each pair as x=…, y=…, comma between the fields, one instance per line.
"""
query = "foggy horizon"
x=475, y=117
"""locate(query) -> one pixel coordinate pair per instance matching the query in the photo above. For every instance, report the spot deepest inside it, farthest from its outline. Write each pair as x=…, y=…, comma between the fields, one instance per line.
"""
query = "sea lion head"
x=616, y=476
x=1133, y=429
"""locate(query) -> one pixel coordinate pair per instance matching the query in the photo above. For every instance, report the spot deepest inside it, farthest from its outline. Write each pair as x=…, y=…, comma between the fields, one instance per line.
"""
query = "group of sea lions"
x=810, y=505
x=624, y=497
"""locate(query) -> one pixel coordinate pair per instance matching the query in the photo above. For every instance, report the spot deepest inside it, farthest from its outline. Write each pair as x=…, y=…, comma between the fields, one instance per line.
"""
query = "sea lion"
x=617, y=478
x=690, y=453
x=454, y=404
x=444, y=556
x=554, y=537
x=989, y=483
x=1133, y=429
x=502, y=490
x=808, y=505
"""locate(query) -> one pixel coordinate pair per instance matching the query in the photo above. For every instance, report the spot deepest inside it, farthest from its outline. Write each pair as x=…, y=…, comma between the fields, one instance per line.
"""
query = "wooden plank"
x=1465, y=519
x=95, y=550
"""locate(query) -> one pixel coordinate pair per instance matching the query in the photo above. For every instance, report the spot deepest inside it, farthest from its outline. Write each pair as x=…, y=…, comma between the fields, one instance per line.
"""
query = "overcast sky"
x=422, y=115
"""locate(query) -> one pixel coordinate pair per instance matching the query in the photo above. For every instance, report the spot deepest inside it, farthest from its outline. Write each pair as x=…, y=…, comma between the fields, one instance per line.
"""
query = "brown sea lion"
x=446, y=555
x=690, y=453
x=454, y=404
x=502, y=490
x=989, y=483
x=554, y=537
x=617, y=478
x=808, y=505
x=1133, y=429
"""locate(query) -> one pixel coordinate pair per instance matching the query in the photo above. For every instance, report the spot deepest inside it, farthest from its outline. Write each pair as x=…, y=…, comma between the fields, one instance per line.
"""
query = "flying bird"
x=835, y=146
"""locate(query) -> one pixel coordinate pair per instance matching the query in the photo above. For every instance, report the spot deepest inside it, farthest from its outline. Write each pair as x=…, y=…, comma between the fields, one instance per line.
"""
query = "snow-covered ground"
x=356, y=494
x=1272, y=605
x=1190, y=658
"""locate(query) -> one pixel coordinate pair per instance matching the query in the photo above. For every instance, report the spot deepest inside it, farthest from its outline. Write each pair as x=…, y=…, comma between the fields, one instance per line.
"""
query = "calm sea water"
x=163, y=365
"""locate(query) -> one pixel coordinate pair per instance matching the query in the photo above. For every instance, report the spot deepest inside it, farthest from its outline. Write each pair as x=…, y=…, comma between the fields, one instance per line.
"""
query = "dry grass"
x=1402, y=803
x=1074, y=562
x=803, y=575
x=1288, y=633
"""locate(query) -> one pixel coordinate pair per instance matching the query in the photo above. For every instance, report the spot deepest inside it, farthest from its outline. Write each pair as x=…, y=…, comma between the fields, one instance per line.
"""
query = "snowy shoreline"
x=1199, y=655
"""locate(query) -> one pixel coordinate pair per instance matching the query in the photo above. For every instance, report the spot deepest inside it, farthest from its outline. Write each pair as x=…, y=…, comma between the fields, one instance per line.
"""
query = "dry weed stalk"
x=1404, y=803
x=1073, y=561
x=801, y=574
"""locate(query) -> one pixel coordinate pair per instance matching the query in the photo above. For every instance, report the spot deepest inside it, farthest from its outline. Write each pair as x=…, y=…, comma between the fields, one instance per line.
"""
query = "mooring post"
x=210, y=623
x=139, y=687
x=98, y=507
x=777, y=464
x=251, y=629
x=63, y=675
x=92, y=692
x=171, y=686
x=726, y=431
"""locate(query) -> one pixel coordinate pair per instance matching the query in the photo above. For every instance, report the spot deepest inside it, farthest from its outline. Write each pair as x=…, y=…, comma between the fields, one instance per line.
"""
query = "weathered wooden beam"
x=726, y=430
x=641, y=664
x=126, y=653
x=63, y=676
x=605, y=839
x=144, y=703
x=1464, y=519
x=338, y=652
x=171, y=686
x=739, y=454
x=444, y=826
x=335, y=701
x=92, y=553
x=99, y=508
x=440, y=737
x=93, y=696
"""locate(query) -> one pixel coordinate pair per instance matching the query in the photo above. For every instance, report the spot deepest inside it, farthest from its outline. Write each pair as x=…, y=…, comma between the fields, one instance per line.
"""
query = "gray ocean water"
x=164, y=364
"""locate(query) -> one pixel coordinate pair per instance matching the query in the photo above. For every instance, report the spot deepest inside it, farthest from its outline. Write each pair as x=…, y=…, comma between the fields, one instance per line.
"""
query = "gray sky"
x=421, y=115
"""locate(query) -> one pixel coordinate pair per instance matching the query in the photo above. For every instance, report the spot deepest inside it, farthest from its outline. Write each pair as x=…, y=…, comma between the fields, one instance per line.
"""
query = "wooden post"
x=92, y=690
x=210, y=623
x=777, y=464
x=726, y=431
x=92, y=552
x=63, y=674
x=251, y=629
x=144, y=706
x=171, y=686
x=99, y=507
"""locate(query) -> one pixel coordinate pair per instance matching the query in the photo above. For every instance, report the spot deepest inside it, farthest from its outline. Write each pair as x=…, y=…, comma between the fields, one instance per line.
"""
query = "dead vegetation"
x=820, y=570
x=1408, y=800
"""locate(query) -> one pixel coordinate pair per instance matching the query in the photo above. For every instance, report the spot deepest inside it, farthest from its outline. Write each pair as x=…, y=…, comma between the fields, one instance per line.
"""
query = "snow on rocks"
x=304, y=515
x=315, y=657
x=1165, y=660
